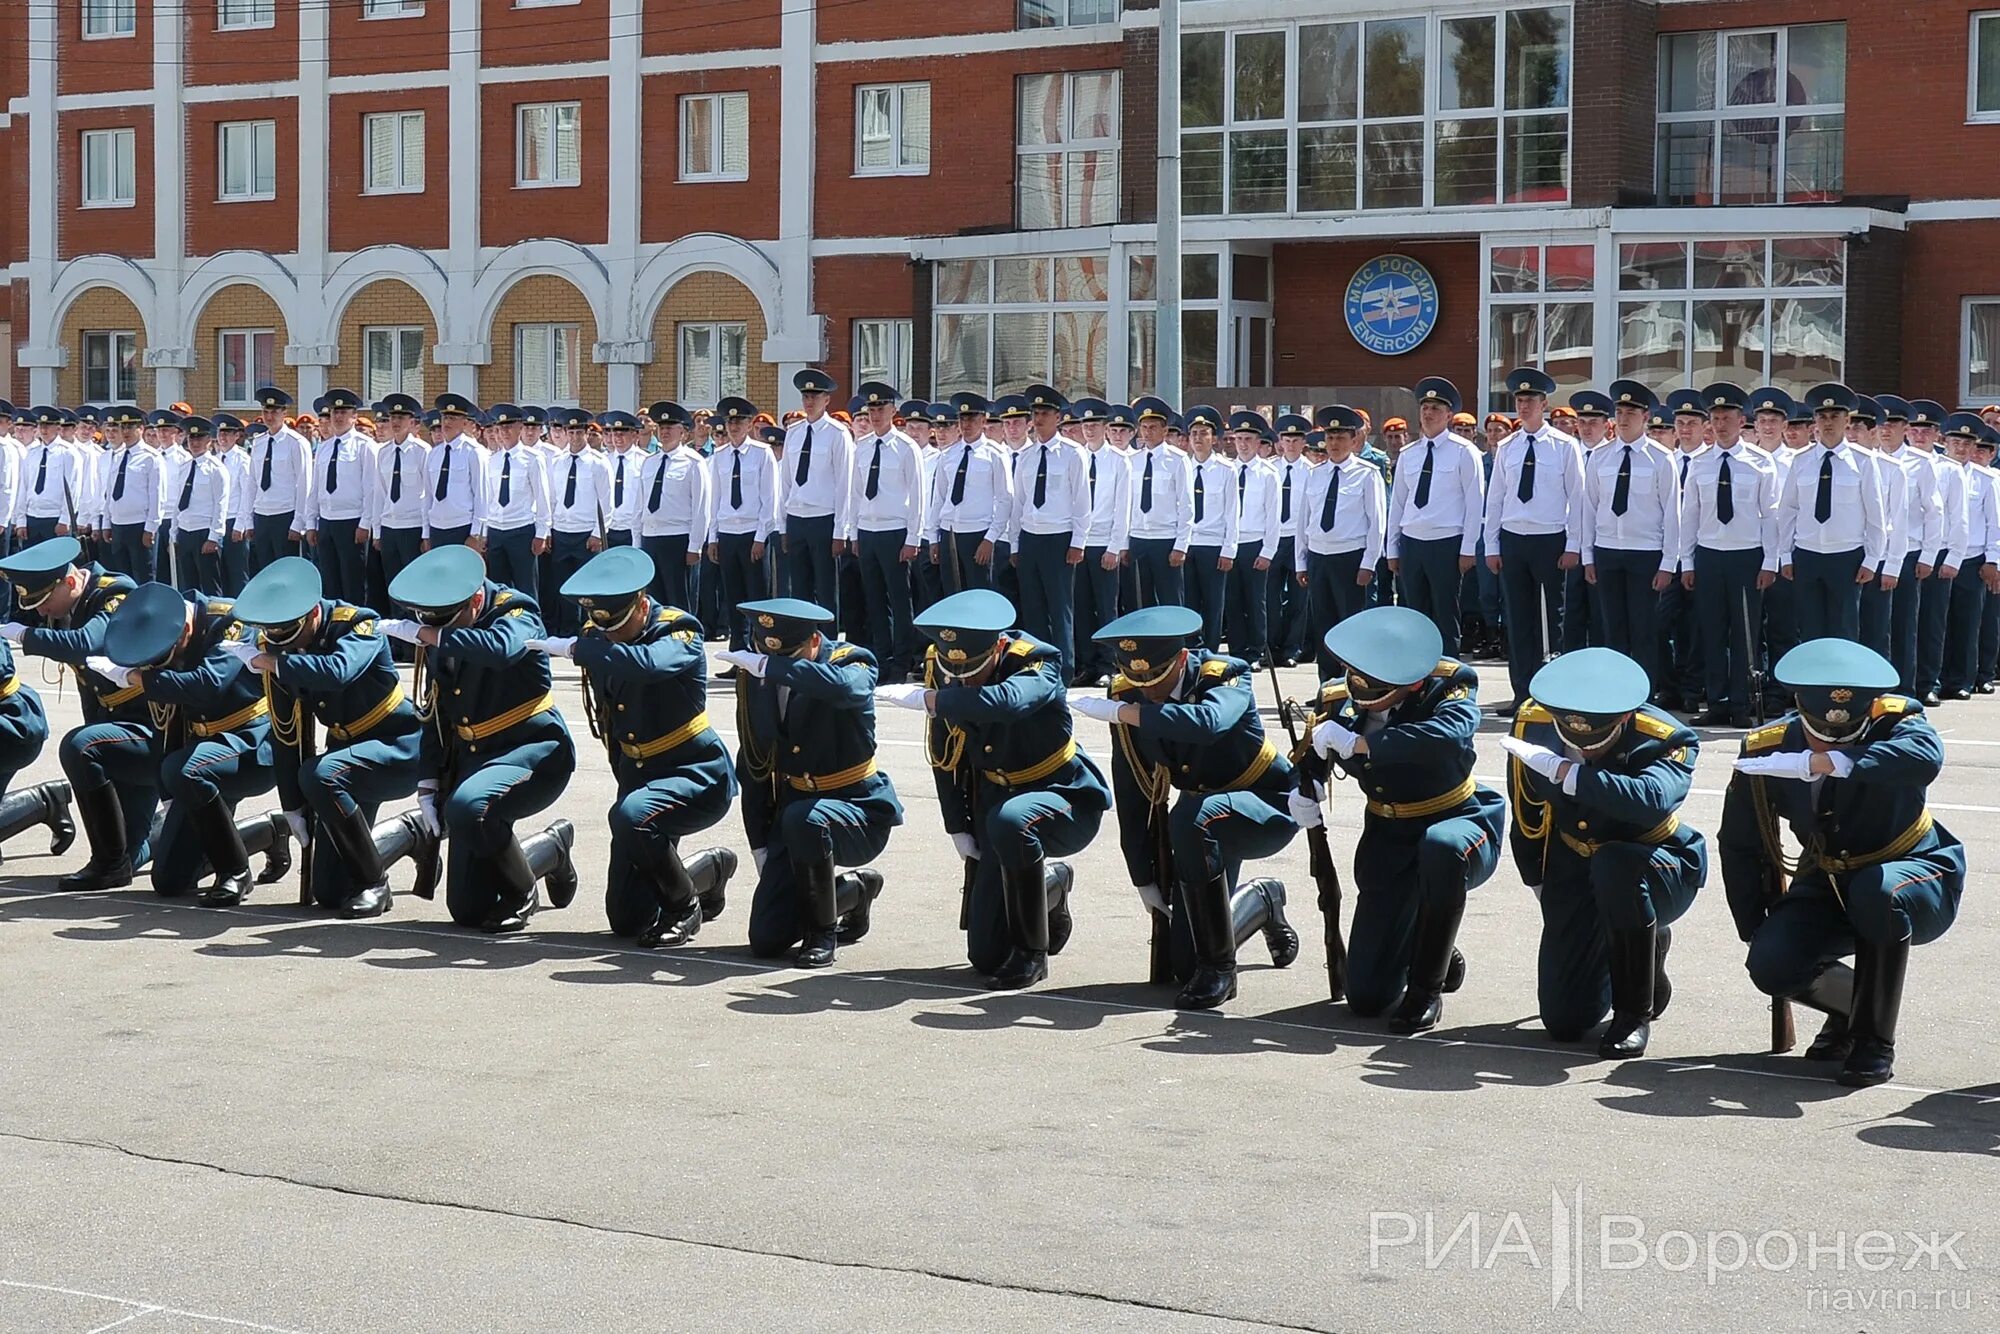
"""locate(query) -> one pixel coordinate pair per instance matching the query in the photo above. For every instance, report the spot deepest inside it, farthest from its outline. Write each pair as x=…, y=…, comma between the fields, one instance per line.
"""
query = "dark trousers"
x=128, y=552
x=568, y=553
x=1989, y=641
x=1624, y=887
x=1047, y=601
x=270, y=538
x=1160, y=580
x=1678, y=644
x=1096, y=607
x=400, y=546
x=1877, y=610
x=1829, y=601
x=1332, y=596
x=1207, y=591
x=1628, y=610
x=510, y=559
x=926, y=581
x=1961, y=645
x=809, y=554
x=1531, y=586
x=450, y=537
x=807, y=832
x=1781, y=631
x=120, y=756
x=1727, y=605
x=743, y=579
x=1249, y=638
x=1285, y=603
x=673, y=578
x=1430, y=579
x=199, y=571
x=343, y=563
x=161, y=555
x=618, y=537
x=1903, y=611
x=958, y=561
x=235, y=565
x=885, y=599
x=1579, y=618
x=1932, y=619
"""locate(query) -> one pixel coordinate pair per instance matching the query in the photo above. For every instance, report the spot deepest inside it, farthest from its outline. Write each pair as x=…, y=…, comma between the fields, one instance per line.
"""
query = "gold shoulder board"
x=1657, y=728
x=1764, y=738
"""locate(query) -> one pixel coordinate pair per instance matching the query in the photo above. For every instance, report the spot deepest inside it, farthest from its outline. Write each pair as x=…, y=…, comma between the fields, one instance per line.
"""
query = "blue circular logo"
x=1392, y=305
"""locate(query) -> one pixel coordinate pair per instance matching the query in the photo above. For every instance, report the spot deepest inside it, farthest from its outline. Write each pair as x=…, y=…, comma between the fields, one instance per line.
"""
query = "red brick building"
x=619, y=200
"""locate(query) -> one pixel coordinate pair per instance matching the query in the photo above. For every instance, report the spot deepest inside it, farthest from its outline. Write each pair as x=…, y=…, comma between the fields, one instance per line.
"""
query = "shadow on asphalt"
x=1762, y=1088
x=1476, y=1056
x=1962, y=1121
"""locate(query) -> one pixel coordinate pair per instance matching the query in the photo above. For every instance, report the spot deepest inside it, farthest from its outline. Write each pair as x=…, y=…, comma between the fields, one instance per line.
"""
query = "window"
x=1067, y=139
x=541, y=4
x=548, y=137
x=715, y=137
x=391, y=9
x=882, y=352
x=1753, y=117
x=1980, y=339
x=1204, y=331
x=107, y=168
x=392, y=362
x=1004, y=324
x=1064, y=13
x=110, y=18
x=395, y=147
x=711, y=362
x=249, y=160
x=248, y=360
x=893, y=130
x=1541, y=312
x=1332, y=117
x=1752, y=311
x=245, y=14
x=110, y=367
x=545, y=363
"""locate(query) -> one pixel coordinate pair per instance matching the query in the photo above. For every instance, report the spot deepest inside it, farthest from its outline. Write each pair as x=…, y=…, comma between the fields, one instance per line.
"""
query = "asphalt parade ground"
x=254, y=1119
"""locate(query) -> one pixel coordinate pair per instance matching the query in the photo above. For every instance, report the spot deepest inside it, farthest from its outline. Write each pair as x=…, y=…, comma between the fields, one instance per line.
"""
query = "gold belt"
x=832, y=782
x=112, y=699
x=13, y=684
x=1034, y=773
x=674, y=740
x=1417, y=810
x=1268, y=753
x=1654, y=837
x=257, y=708
x=514, y=717
x=1907, y=840
x=367, y=722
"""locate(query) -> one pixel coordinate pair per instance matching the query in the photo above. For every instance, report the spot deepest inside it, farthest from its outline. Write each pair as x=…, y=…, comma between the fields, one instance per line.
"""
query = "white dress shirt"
x=1558, y=486
x=1162, y=495
x=399, y=469
x=289, y=458
x=1063, y=467
x=207, y=501
x=1652, y=517
x=825, y=452
x=345, y=459
x=580, y=491
x=1291, y=488
x=1456, y=503
x=1893, y=483
x=1107, y=476
x=1923, y=511
x=1216, y=525
x=1753, y=504
x=455, y=481
x=898, y=501
x=1982, y=514
x=236, y=462
x=1951, y=484
x=1360, y=516
x=670, y=497
x=985, y=501
x=52, y=484
x=1857, y=519
x=519, y=473
x=138, y=497
x=749, y=472
x=1257, y=506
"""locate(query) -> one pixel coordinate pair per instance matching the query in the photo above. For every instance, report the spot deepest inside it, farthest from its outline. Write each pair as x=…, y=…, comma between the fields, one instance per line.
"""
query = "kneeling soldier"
x=1597, y=780
x=1400, y=723
x=495, y=749
x=1188, y=719
x=24, y=729
x=327, y=662
x=645, y=693
x=1014, y=786
x=812, y=796
x=1849, y=773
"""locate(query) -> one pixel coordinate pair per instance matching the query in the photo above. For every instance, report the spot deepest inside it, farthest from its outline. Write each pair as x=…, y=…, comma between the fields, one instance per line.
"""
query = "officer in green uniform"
x=813, y=798
x=1849, y=773
x=1014, y=786
x=1400, y=723
x=495, y=749
x=212, y=735
x=24, y=729
x=1596, y=780
x=1187, y=719
x=646, y=696
x=327, y=663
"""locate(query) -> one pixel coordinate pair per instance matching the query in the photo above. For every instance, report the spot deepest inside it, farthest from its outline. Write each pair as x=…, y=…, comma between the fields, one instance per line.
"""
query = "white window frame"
x=107, y=20
x=899, y=336
x=1966, y=306
x=122, y=142
x=391, y=9
x=258, y=130
x=1049, y=311
x=400, y=123
x=1540, y=299
x=716, y=329
x=718, y=135
x=551, y=145
x=1068, y=147
x=543, y=4
x=1069, y=17
x=899, y=94
x=1780, y=111
x=400, y=335
x=120, y=338
x=259, y=375
x=550, y=331
x=1973, y=114
x=262, y=14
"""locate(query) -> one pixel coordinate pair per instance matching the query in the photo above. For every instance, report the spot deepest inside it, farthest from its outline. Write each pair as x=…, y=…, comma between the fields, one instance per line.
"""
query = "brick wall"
x=670, y=208
x=99, y=309
x=1139, y=93
x=239, y=307
x=861, y=287
x=1943, y=262
x=101, y=64
x=1311, y=338
x=356, y=220
x=551, y=35
x=892, y=20
x=14, y=300
x=124, y=231
x=241, y=55
x=414, y=41
x=387, y=302
x=1875, y=310
x=1611, y=118
x=213, y=226
x=703, y=298
x=540, y=299
x=509, y=213
x=723, y=25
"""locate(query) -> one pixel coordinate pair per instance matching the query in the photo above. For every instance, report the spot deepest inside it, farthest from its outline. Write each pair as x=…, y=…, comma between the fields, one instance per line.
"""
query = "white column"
x=314, y=150
x=38, y=343
x=798, y=339
x=173, y=325
x=621, y=254
x=462, y=194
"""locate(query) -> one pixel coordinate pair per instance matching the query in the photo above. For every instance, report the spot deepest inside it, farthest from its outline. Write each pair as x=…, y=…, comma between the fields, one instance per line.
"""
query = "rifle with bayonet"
x=1319, y=852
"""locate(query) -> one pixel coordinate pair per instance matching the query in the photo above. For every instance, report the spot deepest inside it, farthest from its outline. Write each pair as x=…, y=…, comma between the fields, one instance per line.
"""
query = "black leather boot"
x=710, y=872
x=221, y=842
x=354, y=841
x=820, y=903
x=44, y=803
x=680, y=916
x=1061, y=878
x=1832, y=994
x=271, y=835
x=1454, y=975
x=855, y=893
x=426, y=858
x=110, y=864
x=1214, y=977
x=518, y=899
x=1878, y=1000
x=1430, y=962
x=1663, y=988
x=1259, y=905
x=1025, y=892
x=1634, y=961
x=548, y=853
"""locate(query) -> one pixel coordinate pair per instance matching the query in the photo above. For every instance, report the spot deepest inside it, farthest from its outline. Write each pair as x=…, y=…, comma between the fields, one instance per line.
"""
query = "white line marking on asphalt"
x=148, y=1307
x=139, y=1314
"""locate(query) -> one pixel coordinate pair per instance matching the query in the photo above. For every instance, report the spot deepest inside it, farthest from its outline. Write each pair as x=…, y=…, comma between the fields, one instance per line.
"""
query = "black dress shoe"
x=1209, y=987
x=818, y=950
x=668, y=932
x=1454, y=973
x=1983, y=688
x=1509, y=709
x=1739, y=718
x=1022, y=969
x=507, y=918
x=1932, y=699
x=1419, y=1012
x=854, y=925
x=1832, y=1042
x=370, y=902
x=1711, y=718
x=1670, y=700
x=226, y=892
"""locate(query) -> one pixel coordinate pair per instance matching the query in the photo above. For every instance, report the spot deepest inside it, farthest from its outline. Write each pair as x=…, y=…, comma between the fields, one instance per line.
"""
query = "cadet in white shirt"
x=1051, y=521
x=397, y=495
x=813, y=493
x=331, y=509
x=1341, y=527
x=1878, y=597
x=1627, y=530
x=280, y=476
x=201, y=513
x=1258, y=533
x=455, y=475
x=163, y=432
x=1922, y=523
x=1537, y=478
x=1162, y=520
x=743, y=479
x=1833, y=532
x=235, y=460
x=1436, y=506
x=1926, y=417
x=972, y=500
x=668, y=509
x=884, y=528
x=1211, y=549
x=517, y=515
x=623, y=456
x=132, y=505
x=1970, y=443
x=1728, y=549
x=579, y=507
x=1108, y=478
x=54, y=486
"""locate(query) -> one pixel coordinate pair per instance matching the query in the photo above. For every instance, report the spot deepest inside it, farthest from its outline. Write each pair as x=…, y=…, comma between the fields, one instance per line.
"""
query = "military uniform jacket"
x=490, y=693
x=1210, y=739
x=209, y=691
x=1010, y=735
x=22, y=720
x=1875, y=814
x=1630, y=794
x=342, y=678
x=1418, y=768
x=822, y=744
x=651, y=702
x=84, y=638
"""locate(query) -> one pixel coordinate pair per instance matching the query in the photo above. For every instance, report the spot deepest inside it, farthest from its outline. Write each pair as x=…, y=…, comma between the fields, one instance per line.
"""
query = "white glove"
x=1330, y=738
x=427, y=809
x=1095, y=706
x=396, y=629
x=1305, y=810
x=967, y=845
x=12, y=631
x=109, y=670
x=1795, y=764
x=555, y=648
x=1151, y=896
x=903, y=697
x=752, y=663
x=243, y=652
x=760, y=856
x=301, y=832
x=1538, y=759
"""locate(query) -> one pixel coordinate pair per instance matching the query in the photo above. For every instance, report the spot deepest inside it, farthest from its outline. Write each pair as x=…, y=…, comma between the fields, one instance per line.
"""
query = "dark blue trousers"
x=743, y=580
x=1096, y=607
x=510, y=559
x=675, y=582
x=1160, y=580
x=1026, y=828
x=198, y=570
x=1048, y=593
x=1531, y=586
x=958, y=561
x=270, y=538
x=1628, y=610
x=807, y=831
x=1877, y=610
x=885, y=600
x=1430, y=579
x=1932, y=619
x=1912, y=898
x=1961, y=646
x=349, y=778
x=809, y=554
x=1207, y=591
x=1213, y=834
x=568, y=553
x=400, y=546
x=450, y=537
x=343, y=563
x=1332, y=596
x=481, y=813
x=1727, y=607
x=119, y=755
x=1903, y=613
x=1624, y=887
x=1285, y=603
x=1579, y=620
x=128, y=552
x=1829, y=601
x=1400, y=867
x=1249, y=637
x=648, y=818
x=227, y=768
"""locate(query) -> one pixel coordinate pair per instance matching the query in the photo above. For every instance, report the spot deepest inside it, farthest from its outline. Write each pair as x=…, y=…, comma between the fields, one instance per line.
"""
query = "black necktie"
x=124, y=459
x=264, y=482
x=1042, y=479
x=958, y=479
x=569, y=485
x=1146, y=486
x=618, y=484
x=1242, y=484
x=1725, y=492
x=1200, y=491
x=1684, y=470
x=1423, y=496
x=444, y=472
x=1526, y=490
x=1285, y=497
x=659, y=484
x=1327, y=511
x=187, y=488
x=1093, y=481
x=874, y=471
x=506, y=478
x=1621, y=494
x=42, y=471
x=805, y=457
x=736, y=482
x=1823, y=507
x=396, y=476
x=332, y=466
